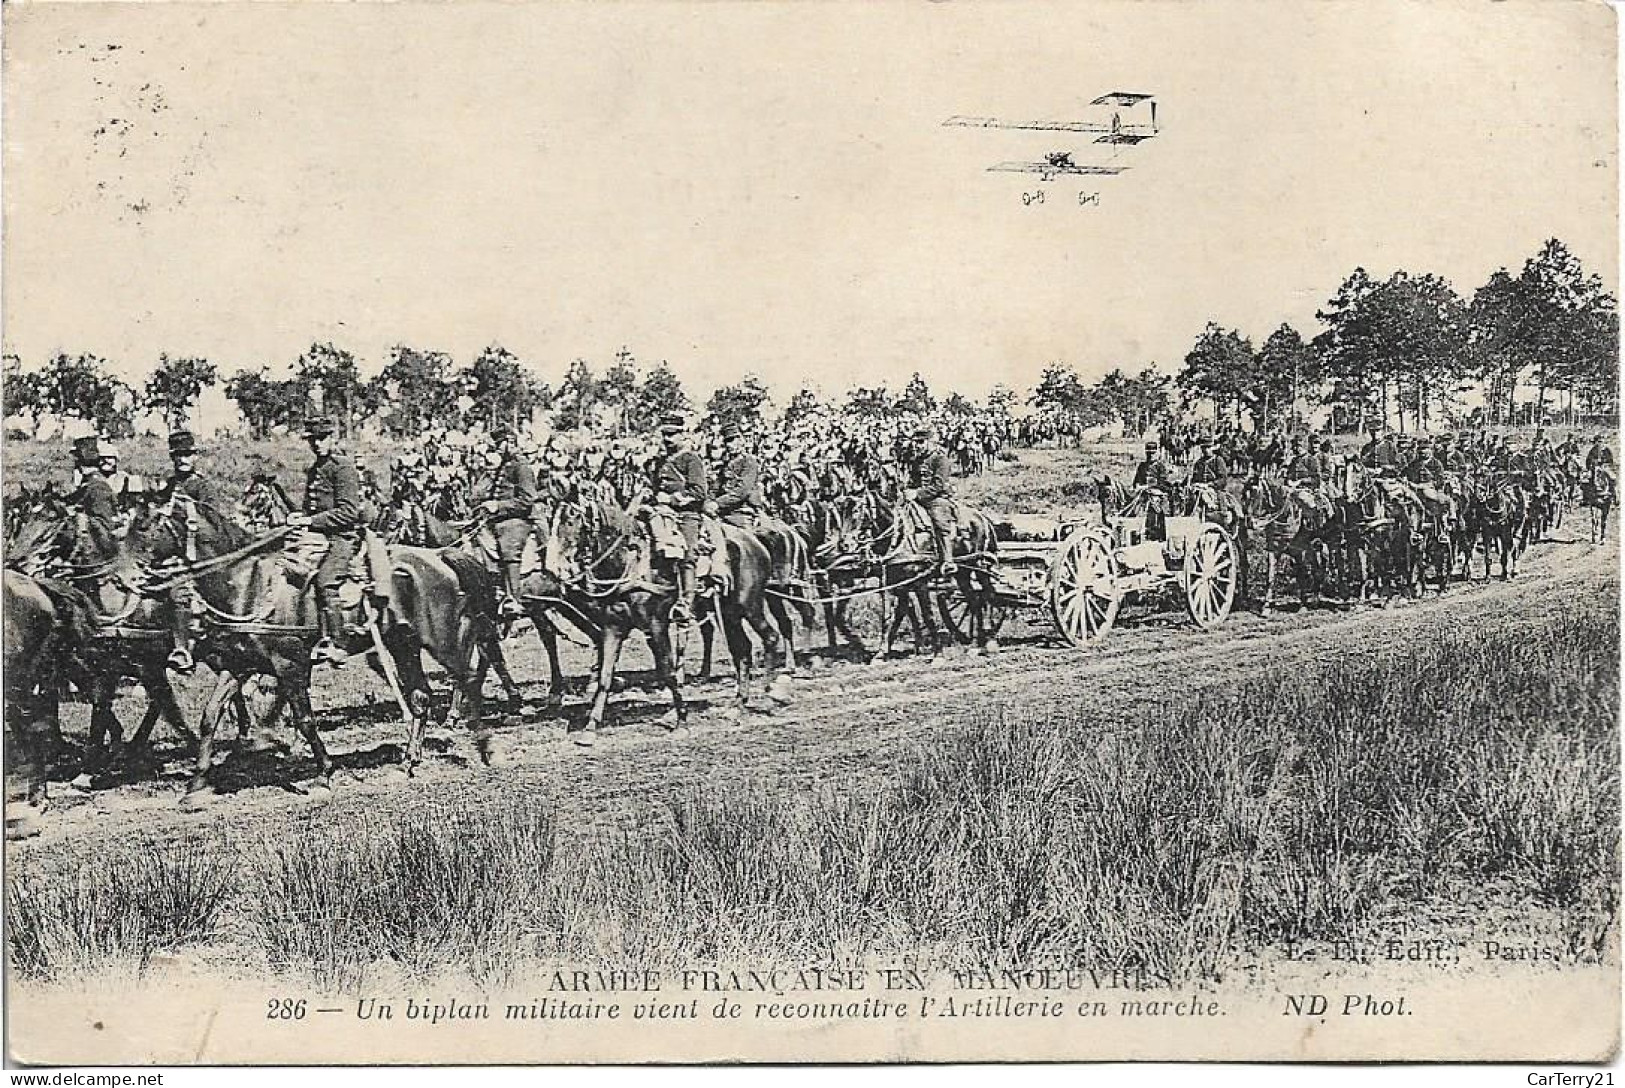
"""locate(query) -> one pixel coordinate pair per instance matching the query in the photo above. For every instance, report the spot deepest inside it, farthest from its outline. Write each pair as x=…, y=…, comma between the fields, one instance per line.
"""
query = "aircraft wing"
x=1125, y=134
x=1051, y=168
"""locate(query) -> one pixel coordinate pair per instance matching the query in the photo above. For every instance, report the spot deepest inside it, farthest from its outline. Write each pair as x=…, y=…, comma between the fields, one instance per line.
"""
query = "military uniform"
x=739, y=499
x=683, y=478
x=333, y=506
x=1211, y=468
x=97, y=519
x=513, y=494
x=184, y=601
x=1152, y=474
x=933, y=489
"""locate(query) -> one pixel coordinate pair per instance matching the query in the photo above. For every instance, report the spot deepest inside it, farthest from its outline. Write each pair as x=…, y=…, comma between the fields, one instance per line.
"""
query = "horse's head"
x=265, y=503
x=39, y=525
x=594, y=537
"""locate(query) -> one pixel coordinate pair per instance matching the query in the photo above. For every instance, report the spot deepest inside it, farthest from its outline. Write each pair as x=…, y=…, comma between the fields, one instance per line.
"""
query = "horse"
x=41, y=637
x=908, y=563
x=1500, y=510
x=835, y=559
x=1292, y=520
x=410, y=521
x=125, y=632
x=607, y=556
x=260, y=619
x=1362, y=521
x=1598, y=494
x=789, y=585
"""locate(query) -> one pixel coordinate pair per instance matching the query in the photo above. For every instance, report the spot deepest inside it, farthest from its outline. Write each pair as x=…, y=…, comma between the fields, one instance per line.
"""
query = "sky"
x=767, y=187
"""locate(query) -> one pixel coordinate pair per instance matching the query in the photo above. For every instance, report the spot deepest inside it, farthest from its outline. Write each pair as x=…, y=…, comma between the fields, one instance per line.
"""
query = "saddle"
x=370, y=570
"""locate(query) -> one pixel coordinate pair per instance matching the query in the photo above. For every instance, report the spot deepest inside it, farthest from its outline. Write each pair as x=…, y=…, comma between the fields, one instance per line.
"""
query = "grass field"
x=1430, y=778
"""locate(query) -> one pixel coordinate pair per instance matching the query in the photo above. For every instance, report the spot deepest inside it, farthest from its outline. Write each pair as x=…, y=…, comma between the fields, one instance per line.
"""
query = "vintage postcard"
x=676, y=532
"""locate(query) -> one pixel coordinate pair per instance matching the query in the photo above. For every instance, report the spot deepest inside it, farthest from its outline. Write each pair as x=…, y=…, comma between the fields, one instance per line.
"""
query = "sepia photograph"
x=903, y=532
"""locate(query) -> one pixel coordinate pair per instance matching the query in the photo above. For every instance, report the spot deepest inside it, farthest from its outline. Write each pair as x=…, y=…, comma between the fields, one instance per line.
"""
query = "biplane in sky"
x=1140, y=126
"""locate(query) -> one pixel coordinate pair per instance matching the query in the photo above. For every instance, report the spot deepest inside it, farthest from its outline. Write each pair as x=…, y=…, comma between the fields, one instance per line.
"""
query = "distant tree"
x=1219, y=367
x=21, y=393
x=662, y=391
x=78, y=387
x=619, y=389
x=578, y=394
x=803, y=404
x=414, y=390
x=870, y=401
x=744, y=402
x=917, y=398
x=1424, y=324
x=1001, y=399
x=1287, y=370
x=1565, y=321
x=1350, y=349
x=330, y=382
x=264, y=402
x=504, y=390
x=174, y=387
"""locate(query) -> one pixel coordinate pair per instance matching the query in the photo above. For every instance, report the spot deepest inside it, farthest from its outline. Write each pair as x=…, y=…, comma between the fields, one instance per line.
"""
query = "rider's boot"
x=327, y=650
x=944, y=552
x=510, y=608
x=683, y=610
x=180, y=658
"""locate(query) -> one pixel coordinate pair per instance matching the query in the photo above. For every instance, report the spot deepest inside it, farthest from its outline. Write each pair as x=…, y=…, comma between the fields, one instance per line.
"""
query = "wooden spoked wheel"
x=1211, y=573
x=1083, y=590
x=956, y=614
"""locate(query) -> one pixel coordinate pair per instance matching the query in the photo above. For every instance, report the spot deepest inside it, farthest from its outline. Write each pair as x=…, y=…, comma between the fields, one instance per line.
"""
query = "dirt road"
x=850, y=725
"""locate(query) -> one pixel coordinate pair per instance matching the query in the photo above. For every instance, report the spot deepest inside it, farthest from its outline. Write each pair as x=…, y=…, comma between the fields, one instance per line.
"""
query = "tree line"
x=1407, y=348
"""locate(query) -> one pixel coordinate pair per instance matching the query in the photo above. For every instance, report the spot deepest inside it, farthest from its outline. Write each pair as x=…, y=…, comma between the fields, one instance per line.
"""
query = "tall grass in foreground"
x=1301, y=804
x=124, y=909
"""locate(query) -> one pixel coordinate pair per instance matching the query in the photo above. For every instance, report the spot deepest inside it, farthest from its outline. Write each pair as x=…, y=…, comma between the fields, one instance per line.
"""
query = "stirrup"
x=181, y=660
x=330, y=652
x=510, y=608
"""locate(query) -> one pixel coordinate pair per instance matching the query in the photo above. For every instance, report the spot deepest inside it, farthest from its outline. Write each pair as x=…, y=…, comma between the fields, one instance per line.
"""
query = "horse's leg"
x=609, y=656
x=660, y=647
x=304, y=720
x=767, y=631
x=550, y=642
x=492, y=657
x=226, y=684
x=406, y=653
x=161, y=700
x=786, y=628
x=922, y=599
x=1271, y=558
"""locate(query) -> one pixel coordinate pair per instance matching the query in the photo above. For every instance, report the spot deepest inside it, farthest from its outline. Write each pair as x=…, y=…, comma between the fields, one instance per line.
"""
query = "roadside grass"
x=1301, y=804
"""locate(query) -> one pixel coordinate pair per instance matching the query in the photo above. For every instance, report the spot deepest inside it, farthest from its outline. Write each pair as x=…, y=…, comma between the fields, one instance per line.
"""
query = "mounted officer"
x=333, y=509
x=1383, y=456
x=1152, y=475
x=185, y=481
x=509, y=500
x=96, y=523
x=932, y=488
x=1210, y=467
x=739, y=500
x=682, y=484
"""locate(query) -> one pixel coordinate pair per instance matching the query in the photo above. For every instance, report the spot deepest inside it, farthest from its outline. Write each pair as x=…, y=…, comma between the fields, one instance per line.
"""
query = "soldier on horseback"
x=333, y=509
x=1210, y=467
x=1152, y=475
x=96, y=523
x=739, y=499
x=1383, y=455
x=508, y=501
x=185, y=481
x=682, y=484
x=933, y=489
